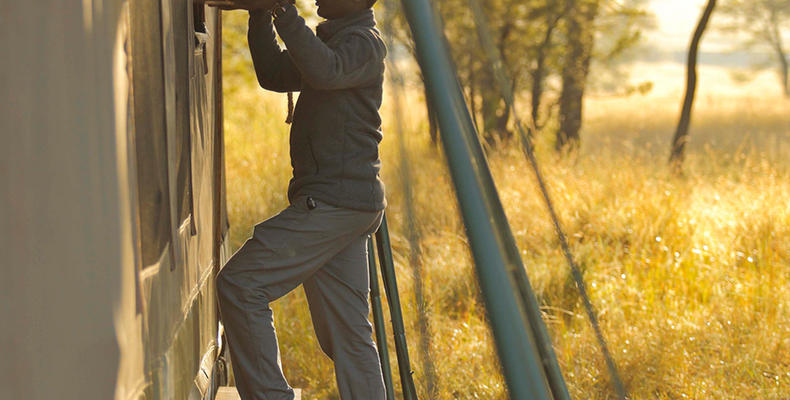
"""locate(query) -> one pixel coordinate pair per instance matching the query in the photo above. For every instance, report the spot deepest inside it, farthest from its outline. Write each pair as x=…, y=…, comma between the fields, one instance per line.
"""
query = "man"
x=336, y=195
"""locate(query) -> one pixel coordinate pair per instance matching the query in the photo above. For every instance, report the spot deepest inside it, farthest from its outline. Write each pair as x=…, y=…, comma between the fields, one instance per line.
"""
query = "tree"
x=532, y=37
x=580, y=37
x=595, y=32
x=552, y=16
x=681, y=134
x=765, y=23
x=513, y=31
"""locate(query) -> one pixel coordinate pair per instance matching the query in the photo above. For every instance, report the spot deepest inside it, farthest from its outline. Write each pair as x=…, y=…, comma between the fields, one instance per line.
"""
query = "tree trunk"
x=538, y=75
x=775, y=38
x=503, y=111
x=494, y=111
x=574, y=72
x=677, y=154
x=783, y=64
x=472, y=98
x=433, y=127
x=489, y=106
x=502, y=120
x=785, y=82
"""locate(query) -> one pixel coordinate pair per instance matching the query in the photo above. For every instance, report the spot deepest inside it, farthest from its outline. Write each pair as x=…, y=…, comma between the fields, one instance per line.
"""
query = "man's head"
x=334, y=9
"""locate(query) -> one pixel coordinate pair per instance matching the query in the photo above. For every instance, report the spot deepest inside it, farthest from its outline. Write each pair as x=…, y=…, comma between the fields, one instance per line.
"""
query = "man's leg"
x=283, y=251
x=338, y=298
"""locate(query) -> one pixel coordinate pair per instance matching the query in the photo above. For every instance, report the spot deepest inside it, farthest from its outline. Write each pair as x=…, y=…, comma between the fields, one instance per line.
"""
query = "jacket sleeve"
x=273, y=66
x=357, y=61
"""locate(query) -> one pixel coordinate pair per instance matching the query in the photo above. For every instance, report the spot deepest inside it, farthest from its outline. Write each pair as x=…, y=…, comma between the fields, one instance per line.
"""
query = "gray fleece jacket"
x=336, y=125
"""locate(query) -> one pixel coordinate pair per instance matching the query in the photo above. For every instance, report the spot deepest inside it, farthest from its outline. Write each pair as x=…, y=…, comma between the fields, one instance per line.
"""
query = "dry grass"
x=691, y=277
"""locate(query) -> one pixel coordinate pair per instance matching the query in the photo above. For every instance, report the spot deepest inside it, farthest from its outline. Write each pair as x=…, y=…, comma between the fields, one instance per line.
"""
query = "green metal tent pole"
x=391, y=290
x=510, y=301
x=502, y=77
x=378, y=322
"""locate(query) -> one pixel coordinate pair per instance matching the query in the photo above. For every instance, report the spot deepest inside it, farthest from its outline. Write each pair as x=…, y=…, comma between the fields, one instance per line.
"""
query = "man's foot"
x=230, y=393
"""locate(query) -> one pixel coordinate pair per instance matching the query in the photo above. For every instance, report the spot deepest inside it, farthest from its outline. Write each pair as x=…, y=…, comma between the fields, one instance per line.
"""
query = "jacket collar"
x=327, y=29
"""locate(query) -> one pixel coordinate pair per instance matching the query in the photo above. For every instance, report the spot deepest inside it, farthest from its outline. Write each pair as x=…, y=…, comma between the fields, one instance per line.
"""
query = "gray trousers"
x=324, y=248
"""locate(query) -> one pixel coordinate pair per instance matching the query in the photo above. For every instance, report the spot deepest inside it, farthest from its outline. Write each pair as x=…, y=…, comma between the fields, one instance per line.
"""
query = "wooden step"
x=230, y=393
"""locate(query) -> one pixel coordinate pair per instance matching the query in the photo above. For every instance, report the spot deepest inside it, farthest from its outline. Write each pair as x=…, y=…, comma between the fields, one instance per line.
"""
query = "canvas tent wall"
x=59, y=196
x=74, y=294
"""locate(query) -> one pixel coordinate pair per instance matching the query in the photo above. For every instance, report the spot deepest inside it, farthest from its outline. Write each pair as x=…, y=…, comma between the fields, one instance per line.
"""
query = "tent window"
x=150, y=131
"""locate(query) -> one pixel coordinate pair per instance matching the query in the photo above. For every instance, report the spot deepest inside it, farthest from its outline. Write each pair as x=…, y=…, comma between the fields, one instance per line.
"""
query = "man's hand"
x=242, y=4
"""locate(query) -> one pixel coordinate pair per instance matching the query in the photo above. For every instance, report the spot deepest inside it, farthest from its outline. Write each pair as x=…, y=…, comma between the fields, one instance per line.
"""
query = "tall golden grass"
x=690, y=276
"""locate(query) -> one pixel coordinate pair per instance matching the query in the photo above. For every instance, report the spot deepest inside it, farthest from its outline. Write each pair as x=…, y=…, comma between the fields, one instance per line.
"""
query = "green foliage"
x=765, y=25
x=758, y=18
x=532, y=37
x=619, y=30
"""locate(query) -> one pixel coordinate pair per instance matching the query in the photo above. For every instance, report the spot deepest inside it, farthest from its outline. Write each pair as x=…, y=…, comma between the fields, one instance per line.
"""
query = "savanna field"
x=690, y=276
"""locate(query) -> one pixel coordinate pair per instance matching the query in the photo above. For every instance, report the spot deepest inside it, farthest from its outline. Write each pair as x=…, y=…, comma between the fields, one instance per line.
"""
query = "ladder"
x=384, y=252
